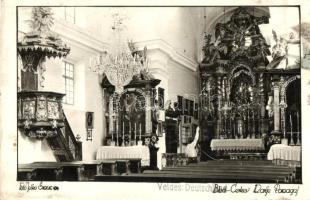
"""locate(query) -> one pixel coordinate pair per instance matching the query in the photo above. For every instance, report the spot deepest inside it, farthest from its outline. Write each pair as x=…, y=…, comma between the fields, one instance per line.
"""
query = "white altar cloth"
x=117, y=152
x=237, y=144
x=284, y=152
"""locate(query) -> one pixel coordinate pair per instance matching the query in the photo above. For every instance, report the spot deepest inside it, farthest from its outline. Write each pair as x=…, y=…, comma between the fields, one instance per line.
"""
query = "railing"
x=74, y=147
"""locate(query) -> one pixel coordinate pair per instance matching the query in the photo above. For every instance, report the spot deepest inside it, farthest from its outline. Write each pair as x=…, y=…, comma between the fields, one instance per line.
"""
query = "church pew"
x=206, y=172
x=249, y=170
x=39, y=171
x=234, y=162
x=237, y=175
x=66, y=171
x=267, y=175
x=245, y=169
x=78, y=170
x=190, y=178
x=128, y=165
x=26, y=174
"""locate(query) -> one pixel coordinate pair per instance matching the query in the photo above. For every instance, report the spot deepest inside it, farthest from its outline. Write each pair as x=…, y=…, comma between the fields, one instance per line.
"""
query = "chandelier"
x=120, y=64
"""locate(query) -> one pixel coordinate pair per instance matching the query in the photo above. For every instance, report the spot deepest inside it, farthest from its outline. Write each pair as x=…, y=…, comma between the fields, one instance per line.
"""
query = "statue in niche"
x=269, y=106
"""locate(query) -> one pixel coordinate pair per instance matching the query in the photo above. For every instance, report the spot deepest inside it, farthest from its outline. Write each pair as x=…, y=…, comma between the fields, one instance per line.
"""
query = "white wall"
x=172, y=62
x=33, y=150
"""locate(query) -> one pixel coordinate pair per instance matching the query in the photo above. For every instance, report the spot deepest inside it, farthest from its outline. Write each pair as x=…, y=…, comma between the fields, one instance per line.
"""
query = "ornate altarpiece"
x=242, y=94
x=131, y=114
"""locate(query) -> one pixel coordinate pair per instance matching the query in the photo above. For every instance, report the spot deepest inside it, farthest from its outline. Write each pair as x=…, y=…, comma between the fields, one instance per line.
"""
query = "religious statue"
x=191, y=150
x=279, y=53
x=269, y=106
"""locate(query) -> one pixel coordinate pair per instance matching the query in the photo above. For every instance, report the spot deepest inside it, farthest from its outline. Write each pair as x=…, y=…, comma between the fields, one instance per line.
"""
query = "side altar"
x=248, y=88
x=131, y=114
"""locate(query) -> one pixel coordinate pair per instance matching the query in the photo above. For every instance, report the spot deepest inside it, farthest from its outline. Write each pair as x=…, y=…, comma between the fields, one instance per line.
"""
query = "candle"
x=140, y=131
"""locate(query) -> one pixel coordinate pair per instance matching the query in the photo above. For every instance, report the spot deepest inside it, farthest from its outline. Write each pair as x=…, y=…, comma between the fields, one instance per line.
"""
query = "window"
x=70, y=14
x=68, y=82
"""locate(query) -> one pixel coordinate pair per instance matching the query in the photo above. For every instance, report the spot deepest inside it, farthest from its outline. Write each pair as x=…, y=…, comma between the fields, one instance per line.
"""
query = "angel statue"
x=279, y=53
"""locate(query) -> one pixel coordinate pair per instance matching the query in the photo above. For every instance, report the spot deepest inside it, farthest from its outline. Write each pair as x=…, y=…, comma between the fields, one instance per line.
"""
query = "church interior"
x=146, y=94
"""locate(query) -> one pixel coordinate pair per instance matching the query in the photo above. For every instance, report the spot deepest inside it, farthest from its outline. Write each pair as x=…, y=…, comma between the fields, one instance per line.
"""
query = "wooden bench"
x=247, y=156
x=78, y=170
x=67, y=171
x=128, y=165
x=190, y=178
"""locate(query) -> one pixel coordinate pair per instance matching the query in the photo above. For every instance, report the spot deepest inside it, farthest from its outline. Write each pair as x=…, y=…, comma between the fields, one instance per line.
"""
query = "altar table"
x=284, y=154
x=117, y=152
x=237, y=144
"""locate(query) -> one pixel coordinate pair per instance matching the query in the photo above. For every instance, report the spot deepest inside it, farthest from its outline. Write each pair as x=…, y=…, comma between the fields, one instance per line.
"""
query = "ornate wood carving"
x=40, y=113
x=239, y=39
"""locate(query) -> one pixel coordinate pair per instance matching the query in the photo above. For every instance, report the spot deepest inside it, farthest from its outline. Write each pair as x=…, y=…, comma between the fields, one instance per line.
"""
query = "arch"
x=287, y=83
x=233, y=74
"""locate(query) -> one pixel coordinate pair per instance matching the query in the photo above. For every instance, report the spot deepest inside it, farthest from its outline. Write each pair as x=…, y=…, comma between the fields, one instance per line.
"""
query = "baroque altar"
x=245, y=95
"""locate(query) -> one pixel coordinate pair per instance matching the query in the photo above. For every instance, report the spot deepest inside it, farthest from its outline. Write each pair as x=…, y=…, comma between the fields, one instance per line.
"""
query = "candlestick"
x=298, y=141
x=291, y=123
x=135, y=132
x=253, y=125
x=140, y=131
x=116, y=133
x=123, y=143
x=130, y=130
x=297, y=122
x=230, y=131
